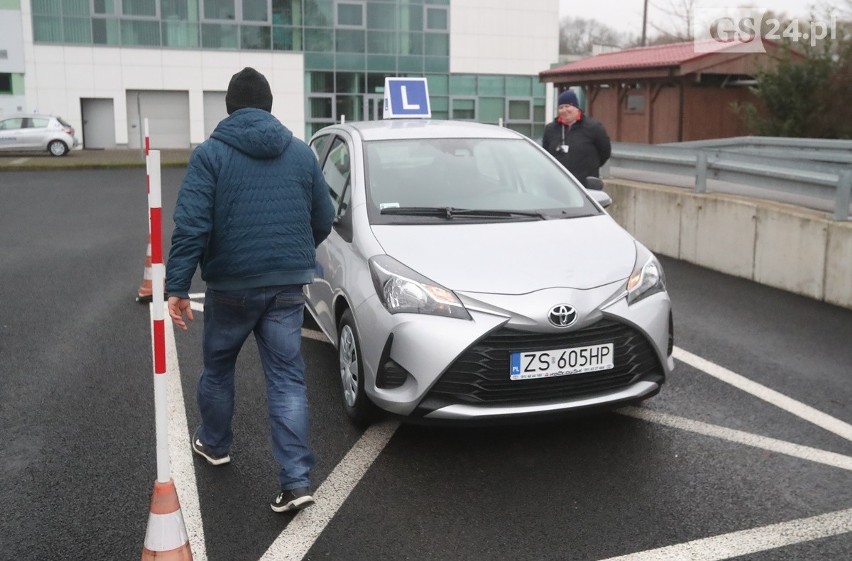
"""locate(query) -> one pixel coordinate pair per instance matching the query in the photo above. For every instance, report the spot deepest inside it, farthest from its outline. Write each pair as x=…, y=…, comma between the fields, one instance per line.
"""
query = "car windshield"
x=472, y=179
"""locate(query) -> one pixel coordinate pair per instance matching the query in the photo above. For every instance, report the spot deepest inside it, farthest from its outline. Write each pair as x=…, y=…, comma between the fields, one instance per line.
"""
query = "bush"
x=805, y=94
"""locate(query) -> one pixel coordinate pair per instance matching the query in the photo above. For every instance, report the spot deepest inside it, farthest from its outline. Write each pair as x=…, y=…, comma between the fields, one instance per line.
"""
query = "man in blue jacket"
x=251, y=211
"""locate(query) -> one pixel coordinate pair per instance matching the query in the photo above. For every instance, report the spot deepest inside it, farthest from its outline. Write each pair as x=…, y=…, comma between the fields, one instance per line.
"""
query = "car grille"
x=480, y=376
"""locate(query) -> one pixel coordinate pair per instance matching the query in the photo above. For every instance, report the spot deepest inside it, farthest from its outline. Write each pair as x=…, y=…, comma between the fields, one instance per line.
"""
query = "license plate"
x=560, y=362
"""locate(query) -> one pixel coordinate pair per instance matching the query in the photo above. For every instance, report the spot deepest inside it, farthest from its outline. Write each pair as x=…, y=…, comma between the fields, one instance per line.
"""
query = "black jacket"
x=588, y=146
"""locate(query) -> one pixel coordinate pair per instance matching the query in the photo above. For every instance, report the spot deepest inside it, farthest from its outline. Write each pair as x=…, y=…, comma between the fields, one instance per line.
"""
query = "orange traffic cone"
x=146, y=292
x=166, y=538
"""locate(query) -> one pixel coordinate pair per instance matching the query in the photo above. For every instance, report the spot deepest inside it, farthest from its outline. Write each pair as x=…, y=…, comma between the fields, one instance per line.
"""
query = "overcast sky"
x=626, y=15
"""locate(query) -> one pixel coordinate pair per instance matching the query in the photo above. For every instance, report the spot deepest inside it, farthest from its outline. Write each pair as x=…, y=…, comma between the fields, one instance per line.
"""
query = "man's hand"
x=177, y=306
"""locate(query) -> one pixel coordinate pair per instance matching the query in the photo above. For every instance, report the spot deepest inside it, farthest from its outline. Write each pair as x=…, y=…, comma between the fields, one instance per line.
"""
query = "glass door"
x=374, y=107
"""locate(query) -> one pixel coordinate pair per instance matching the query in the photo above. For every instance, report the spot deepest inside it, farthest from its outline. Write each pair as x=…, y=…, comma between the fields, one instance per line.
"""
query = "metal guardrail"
x=810, y=167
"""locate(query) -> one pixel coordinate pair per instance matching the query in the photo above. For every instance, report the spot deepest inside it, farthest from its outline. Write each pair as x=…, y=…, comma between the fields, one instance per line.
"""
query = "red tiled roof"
x=672, y=54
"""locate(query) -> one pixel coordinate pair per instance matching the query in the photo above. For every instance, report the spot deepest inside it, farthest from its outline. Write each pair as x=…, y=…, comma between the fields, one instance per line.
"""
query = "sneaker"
x=213, y=459
x=292, y=499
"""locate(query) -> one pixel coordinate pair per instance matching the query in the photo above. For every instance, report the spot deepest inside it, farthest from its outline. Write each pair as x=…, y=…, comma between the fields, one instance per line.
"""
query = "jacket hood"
x=254, y=132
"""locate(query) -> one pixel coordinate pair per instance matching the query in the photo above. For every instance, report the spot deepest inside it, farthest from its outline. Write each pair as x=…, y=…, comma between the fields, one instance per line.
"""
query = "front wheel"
x=358, y=406
x=57, y=148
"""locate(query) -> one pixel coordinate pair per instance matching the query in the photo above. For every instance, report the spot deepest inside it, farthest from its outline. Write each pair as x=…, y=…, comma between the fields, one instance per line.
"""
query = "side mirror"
x=595, y=183
x=599, y=196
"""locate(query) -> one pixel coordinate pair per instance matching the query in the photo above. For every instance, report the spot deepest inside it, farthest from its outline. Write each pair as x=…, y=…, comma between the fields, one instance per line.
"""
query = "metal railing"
x=806, y=167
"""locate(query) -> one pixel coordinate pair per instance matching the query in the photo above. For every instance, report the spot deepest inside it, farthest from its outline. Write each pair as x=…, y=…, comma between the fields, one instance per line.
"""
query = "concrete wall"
x=778, y=245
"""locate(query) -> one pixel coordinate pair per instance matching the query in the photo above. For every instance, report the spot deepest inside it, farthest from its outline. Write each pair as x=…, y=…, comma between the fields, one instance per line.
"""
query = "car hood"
x=514, y=257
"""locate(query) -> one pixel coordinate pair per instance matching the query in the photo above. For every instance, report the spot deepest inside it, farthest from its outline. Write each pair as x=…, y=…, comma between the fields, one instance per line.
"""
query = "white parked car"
x=470, y=277
x=37, y=133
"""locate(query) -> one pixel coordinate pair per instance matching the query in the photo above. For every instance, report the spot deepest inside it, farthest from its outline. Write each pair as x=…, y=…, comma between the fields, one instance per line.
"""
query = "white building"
x=107, y=65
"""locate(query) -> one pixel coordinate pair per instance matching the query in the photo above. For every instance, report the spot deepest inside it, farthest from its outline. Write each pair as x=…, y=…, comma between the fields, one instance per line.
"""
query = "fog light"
x=391, y=375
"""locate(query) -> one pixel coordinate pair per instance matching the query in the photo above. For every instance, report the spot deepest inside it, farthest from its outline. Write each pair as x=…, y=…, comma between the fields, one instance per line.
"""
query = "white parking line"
x=19, y=161
x=745, y=542
x=778, y=399
x=780, y=446
x=301, y=533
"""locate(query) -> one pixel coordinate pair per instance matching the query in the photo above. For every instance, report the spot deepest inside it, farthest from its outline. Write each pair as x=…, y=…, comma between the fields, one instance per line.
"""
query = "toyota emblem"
x=562, y=315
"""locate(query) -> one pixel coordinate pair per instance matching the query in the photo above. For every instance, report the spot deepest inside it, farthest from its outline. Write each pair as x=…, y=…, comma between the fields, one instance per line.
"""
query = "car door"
x=334, y=157
x=37, y=133
x=11, y=131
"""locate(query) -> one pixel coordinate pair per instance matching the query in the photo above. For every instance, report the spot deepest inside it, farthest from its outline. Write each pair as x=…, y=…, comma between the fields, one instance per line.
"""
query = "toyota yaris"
x=470, y=277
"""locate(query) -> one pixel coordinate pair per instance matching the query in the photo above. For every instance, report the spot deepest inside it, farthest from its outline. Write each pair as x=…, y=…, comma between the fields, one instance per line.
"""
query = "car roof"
x=401, y=129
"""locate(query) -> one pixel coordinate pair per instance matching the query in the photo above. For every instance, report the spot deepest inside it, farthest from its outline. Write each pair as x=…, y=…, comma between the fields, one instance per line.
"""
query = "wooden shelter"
x=667, y=93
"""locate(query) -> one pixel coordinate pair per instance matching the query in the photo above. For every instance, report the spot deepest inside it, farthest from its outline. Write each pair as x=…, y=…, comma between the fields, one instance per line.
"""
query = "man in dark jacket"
x=580, y=143
x=251, y=211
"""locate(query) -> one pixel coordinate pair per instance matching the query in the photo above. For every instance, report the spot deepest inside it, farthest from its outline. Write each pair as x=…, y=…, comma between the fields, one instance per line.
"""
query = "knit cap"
x=568, y=97
x=248, y=88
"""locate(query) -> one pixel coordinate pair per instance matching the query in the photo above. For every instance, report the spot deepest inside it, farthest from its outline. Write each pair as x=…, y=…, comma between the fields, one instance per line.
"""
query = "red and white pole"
x=147, y=138
x=158, y=315
x=166, y=538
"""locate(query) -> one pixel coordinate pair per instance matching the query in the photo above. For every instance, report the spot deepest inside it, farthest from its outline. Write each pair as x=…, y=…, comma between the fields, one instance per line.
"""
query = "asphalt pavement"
x=745, y=455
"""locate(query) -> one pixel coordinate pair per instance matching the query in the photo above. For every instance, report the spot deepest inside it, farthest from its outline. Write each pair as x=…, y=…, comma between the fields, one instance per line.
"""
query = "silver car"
x=37, y=133
x=470, y=277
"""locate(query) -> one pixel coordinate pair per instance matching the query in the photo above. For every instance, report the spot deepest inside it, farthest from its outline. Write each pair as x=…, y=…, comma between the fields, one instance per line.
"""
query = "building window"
x=140, y=33
x=350, y=41
x=463, y=109
x=219, y=36
x=319, y=13
x=635, y=103
x=286, y=38
x=350, y=14
x=255, y=10
x=321, y=108
x=255, y=37
x=220, y=10
x=106, y=31
x=5, y=83
x=145, y=8
x=105, y=7
x=437, y=19
x=382, y=16
x=319, y=40
x=176, y=10
x=519, y=111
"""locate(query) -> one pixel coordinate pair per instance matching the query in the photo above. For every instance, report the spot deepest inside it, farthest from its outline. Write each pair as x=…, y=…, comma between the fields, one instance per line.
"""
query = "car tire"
x=57, y=148
x=358, y=406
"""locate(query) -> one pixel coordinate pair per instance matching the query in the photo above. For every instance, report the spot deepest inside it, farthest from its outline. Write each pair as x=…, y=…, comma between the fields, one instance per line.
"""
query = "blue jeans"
x=274, y=314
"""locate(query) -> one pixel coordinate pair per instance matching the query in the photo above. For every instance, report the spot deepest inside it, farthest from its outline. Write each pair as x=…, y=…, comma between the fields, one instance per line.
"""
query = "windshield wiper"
x=450, y=212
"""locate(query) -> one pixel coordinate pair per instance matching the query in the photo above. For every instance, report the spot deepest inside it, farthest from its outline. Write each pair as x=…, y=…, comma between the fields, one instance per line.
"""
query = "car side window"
x=38, y=123
x=336, y=171
x=319, y=145
x=11, y=124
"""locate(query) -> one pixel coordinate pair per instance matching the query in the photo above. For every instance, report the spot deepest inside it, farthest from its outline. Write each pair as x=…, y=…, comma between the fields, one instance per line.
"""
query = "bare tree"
x=673, y=21
x=577, y=36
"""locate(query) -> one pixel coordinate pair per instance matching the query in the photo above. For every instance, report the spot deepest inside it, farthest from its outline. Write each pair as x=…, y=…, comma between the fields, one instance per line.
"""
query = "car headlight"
x=647, y=277
x=402, y=290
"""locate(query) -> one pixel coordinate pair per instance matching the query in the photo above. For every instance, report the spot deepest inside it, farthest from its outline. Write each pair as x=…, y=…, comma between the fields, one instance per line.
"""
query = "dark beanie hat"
x=248, y=88
x=568, y=98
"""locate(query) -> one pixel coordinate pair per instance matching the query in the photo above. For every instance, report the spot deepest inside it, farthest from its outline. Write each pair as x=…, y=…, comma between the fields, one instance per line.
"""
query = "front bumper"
x=456, y=369
x=633, y=392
